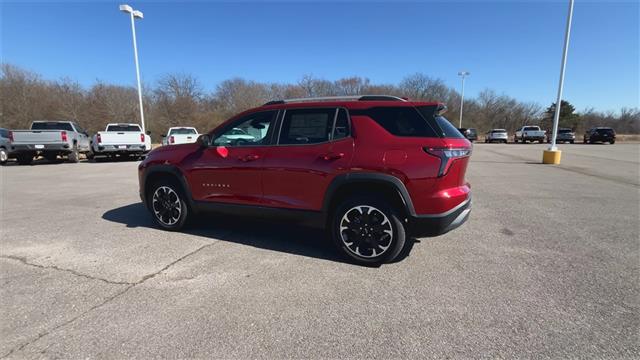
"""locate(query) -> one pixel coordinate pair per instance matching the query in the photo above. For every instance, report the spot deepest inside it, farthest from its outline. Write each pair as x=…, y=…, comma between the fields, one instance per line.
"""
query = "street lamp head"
x=126, y=8
x=138, y=14
x=464, y=73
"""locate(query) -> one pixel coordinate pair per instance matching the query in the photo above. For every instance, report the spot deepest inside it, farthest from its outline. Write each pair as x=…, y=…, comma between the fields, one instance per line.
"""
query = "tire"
x=25, y=159
x=74, y=155
x=572, y=141
x=4, y=156
x=612, y=142
x=584, y=141
x=504, y=141
x=383, y=220
x=515, y=140
x=540, y=141
x=89, y=155
x=167, y=204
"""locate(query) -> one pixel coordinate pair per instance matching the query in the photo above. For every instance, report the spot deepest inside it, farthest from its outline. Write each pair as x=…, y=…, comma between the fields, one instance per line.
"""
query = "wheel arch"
x=387, y=186
x=158, y=172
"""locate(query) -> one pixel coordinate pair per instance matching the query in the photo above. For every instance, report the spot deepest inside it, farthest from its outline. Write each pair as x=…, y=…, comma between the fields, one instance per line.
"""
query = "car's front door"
x=230, y=169
x=312, y=145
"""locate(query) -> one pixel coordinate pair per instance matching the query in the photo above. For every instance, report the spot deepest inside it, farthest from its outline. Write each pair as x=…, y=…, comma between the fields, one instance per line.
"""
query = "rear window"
x=124, y=128
x=500, y=131
x=4, y=133
x=51, y=126
x=442, y=125
x=184, y=131
x=531, y=128
x=564, y=131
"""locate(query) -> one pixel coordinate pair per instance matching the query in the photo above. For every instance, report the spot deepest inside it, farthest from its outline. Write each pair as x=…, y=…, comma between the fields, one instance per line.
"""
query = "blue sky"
x=512, y=47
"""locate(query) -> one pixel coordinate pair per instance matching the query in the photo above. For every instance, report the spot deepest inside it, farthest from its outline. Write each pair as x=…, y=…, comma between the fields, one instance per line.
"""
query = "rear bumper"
x=438, y=224
x=120, y=149
x=33, y=148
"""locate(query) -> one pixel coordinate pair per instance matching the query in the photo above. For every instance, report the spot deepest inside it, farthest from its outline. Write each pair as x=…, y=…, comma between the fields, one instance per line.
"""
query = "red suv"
x=372, y=170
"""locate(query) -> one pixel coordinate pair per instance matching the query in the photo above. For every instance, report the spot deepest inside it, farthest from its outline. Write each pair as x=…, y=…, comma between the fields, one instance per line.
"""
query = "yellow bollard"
x=551, y=157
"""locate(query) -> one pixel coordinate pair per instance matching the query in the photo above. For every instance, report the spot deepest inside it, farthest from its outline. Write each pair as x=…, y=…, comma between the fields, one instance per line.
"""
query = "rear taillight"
x=141, y=138
x=99, y=138
x=447, y=156
x=172, y=140
x=11, y=136
x=63, y=135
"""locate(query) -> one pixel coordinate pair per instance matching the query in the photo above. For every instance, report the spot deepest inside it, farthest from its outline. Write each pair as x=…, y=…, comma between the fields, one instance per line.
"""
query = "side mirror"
x=204, y=140
x=148, y=133
x=164, y=135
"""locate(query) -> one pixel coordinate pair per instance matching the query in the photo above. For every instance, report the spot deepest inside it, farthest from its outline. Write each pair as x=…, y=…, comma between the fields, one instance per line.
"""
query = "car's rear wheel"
x=368, y=231
x=612, y=142
x=168, y=205
x=4, y=156
x=74, y=155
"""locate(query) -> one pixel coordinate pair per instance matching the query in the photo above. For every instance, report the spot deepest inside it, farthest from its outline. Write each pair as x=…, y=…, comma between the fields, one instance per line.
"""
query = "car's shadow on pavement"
x=276, y=236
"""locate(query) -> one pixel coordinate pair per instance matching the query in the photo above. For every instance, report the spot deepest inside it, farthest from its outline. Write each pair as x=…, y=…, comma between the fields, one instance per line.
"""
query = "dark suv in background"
x=471, y=134
x=371, y=170
x=599, y=134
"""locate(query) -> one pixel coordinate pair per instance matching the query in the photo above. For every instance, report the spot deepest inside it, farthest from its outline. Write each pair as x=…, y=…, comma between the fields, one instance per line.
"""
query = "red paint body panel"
x=298, y=176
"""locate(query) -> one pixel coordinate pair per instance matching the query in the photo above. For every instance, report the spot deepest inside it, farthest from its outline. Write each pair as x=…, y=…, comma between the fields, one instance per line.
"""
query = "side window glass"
x=341, y=130
x=248, y=131
x=306, y=126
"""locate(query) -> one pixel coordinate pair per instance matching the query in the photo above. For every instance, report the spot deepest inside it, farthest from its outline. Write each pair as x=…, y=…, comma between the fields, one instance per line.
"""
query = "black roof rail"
x=380, y=98
x=273, y=102
x=339, y=98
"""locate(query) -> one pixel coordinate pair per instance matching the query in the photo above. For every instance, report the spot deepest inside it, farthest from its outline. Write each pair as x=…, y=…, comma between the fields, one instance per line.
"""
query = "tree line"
x=180, y=100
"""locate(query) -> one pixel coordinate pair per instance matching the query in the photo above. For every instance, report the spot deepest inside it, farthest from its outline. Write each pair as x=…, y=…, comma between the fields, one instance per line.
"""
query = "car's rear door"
x=230, y=170
x=312, y=145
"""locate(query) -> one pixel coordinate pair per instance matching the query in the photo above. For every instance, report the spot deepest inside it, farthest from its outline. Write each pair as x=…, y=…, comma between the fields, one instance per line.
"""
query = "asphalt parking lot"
x=547, y=266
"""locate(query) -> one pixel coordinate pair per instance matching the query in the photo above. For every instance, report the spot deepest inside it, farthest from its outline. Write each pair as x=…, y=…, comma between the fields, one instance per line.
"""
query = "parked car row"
x=58, y=141
x=533, y=133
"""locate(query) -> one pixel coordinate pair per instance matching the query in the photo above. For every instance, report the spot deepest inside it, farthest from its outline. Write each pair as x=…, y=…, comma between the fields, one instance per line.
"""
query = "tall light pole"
x=136, y=14
x=462, y=74
x=552, y=156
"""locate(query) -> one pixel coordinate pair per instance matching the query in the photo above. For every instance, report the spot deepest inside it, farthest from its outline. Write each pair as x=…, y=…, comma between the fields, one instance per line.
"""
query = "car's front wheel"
x=368, y=230
x=168, y=205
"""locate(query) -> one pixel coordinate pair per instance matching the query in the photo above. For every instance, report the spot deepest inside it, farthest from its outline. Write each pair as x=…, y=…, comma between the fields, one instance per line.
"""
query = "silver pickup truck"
x=50, y=139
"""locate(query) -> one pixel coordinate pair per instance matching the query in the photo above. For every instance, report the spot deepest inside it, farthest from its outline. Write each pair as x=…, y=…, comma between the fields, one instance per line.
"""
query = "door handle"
x=333, y=156
x=251, y=157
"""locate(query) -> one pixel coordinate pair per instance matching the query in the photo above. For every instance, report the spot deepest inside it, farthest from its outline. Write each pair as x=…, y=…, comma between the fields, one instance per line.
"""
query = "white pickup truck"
x=180, y=135
x=121, y=139
x=529, y=133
